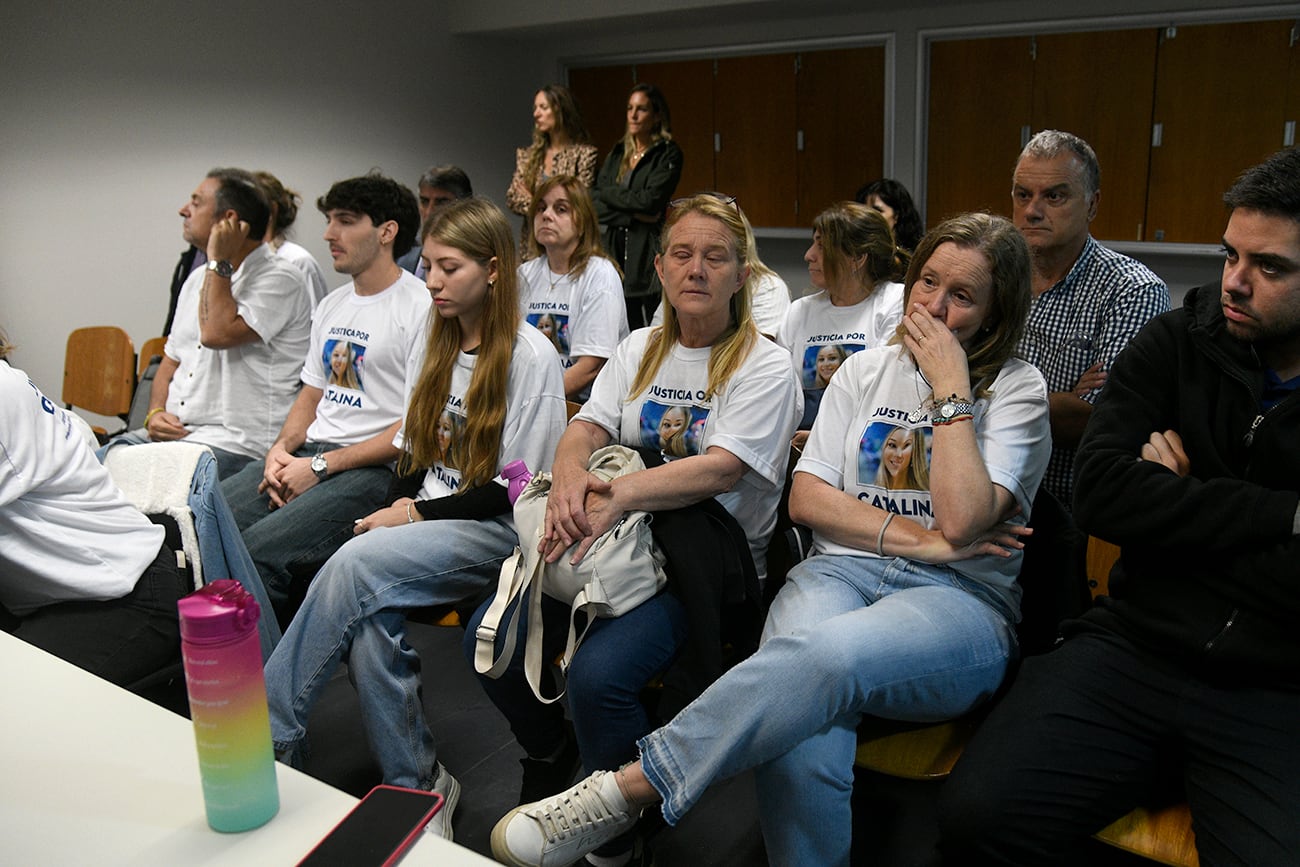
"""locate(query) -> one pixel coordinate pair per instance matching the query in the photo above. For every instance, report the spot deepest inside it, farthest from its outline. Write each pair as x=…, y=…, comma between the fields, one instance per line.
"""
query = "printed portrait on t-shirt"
x=448, y=433
x=344, y=363
x=674, y=430
x=554, y=327
x=895, y=458
x=821, y=362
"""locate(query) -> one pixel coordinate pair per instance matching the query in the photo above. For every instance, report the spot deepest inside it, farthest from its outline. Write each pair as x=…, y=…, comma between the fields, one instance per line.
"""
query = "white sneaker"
x=447, y=786
x=561, y=829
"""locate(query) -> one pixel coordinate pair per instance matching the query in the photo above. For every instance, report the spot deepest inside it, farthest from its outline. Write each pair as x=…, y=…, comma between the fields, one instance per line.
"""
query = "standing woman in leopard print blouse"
x=560, y=146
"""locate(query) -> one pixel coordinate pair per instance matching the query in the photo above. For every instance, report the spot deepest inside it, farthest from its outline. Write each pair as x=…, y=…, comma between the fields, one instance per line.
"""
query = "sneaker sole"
x=450, y=799
x=499, y=849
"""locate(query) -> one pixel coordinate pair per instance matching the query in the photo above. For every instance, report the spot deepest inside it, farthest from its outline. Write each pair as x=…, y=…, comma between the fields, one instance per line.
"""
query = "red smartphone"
x=378, y=830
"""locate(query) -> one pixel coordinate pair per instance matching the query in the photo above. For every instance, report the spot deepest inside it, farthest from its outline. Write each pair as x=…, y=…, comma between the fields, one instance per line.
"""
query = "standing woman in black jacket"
x=632, y=190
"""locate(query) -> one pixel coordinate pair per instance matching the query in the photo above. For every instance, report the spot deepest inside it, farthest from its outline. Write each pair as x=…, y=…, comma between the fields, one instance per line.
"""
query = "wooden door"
x=754, y=111
x=1221, y=103
x=1101, y=87
x=602, y=92
x=841, y=119
x=979, y=105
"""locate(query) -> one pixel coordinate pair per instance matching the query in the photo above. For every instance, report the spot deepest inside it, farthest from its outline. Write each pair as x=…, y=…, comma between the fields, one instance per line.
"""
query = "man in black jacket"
x=1191, y=463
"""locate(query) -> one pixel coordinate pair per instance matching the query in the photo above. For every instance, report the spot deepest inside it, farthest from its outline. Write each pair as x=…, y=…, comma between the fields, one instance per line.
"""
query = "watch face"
x=948, y=410
x=318, y=464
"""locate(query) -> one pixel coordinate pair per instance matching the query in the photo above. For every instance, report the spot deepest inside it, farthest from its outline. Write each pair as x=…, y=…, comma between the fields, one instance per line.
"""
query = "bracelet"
x=961, y=416
x=151, y=413
x=880, y=537
x=409, y=519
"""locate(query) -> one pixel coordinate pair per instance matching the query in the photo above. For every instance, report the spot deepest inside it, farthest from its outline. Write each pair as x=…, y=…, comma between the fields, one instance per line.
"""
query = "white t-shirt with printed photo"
x=752, y=416
x=364, y=350
x=820, y=336
x=581, y=316
x=873, y=439
x=535, y=414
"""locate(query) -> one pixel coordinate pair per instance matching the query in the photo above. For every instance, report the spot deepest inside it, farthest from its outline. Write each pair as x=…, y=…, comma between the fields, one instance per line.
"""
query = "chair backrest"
x=153, y=346
x=99, y=370
x=1101, y=560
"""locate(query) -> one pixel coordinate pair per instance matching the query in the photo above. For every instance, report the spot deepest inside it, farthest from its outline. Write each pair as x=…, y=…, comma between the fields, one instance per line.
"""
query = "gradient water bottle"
x=223, y=674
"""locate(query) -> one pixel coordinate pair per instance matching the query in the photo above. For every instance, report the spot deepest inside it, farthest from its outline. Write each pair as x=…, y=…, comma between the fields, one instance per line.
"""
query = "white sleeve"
x=599, y=320
x=756, y=414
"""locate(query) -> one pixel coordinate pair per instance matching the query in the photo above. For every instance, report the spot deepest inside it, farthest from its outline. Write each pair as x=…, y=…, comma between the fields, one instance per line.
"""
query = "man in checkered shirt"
x=1088, y=300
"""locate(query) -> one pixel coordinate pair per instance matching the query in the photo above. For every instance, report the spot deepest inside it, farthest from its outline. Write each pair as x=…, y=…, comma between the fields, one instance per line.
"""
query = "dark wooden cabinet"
x=1174, y=114
x=787, y=134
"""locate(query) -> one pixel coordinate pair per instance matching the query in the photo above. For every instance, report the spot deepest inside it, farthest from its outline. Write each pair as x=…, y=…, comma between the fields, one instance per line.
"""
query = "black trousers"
x=121, y=640
x=1090, y=730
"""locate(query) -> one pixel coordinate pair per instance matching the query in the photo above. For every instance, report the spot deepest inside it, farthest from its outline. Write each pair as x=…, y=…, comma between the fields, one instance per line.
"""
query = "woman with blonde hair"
x=904, y=465
x=632, y=190
x=560, y=146
x=708, y=360
x=907, y=608
x=571, y=285
x=448, y=540
x=853, y=263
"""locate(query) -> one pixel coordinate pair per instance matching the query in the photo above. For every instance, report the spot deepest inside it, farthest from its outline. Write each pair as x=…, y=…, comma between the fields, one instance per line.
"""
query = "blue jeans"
x=308, y=529
x=355, y=611
x=846, y=636
x=613, y=664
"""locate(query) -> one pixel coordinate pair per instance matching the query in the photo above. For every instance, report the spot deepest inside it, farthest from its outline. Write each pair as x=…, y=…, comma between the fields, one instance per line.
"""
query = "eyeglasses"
x=721, y=197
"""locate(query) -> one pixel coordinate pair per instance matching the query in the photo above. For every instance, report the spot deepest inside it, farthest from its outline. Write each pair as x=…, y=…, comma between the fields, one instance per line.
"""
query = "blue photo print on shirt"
x=675, y=430
x=821, y=362
x=344, y=364
x=554, y=327
x=895, y=458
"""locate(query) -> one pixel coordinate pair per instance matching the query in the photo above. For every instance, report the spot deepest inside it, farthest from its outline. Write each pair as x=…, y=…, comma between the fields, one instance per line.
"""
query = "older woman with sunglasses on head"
x=707, y=367
x=907, y=609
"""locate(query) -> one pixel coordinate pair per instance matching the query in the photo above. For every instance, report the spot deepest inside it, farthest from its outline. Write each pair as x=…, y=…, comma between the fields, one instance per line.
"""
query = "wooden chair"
x=1164, y=835
x=153, y=346
x=99, y=372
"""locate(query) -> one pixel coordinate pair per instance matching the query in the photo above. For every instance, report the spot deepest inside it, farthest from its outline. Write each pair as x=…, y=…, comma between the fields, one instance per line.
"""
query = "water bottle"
x=517, y=477
x=223, y=674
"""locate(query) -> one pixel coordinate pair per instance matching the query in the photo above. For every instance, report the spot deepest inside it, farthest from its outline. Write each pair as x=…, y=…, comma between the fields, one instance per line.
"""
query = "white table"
x=92, y=774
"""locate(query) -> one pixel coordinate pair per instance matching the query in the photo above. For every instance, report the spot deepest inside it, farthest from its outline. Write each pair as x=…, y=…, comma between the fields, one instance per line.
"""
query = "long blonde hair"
x=477, y=228
x=732, y=347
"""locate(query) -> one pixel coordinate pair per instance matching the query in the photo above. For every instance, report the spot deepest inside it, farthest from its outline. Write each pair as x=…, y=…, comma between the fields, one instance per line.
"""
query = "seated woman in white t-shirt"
x=769, y=296
x=83, y=575
x=907, y=609
x=570, y=290
x=853, y=261
x=705, y=385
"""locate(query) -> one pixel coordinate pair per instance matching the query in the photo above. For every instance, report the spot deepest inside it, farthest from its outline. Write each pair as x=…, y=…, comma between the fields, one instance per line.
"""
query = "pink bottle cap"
x=222, y=610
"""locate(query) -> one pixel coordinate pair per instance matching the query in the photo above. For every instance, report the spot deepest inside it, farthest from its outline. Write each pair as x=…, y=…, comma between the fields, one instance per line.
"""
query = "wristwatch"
x=222, y=267
x=319, y=467
x=951, y=409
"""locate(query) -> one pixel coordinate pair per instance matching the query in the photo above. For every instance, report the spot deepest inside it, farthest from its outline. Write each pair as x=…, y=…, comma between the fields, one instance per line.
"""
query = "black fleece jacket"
x=1209, y=576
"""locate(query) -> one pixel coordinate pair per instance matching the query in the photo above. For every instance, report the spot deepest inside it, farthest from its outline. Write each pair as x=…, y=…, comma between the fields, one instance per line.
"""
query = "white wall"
x=110, y=113
x=113, y=112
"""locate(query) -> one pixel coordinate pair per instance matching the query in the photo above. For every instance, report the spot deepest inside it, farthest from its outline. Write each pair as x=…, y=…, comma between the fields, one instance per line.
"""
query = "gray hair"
x=1051, y=143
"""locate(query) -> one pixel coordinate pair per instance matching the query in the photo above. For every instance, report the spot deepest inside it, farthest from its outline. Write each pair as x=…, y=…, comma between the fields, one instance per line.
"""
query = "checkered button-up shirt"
x=1084, y=319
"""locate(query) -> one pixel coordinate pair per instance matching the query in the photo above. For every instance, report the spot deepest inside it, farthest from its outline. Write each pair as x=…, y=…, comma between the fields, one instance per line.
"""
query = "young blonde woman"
x=707, y=363
x=570, y=286
x=906, y=610
x=447, y=542
x=560, y=146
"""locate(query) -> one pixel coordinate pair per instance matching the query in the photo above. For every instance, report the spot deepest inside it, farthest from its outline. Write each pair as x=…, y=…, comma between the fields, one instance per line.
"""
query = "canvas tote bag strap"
x=511, y=583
